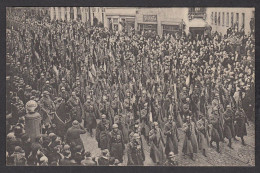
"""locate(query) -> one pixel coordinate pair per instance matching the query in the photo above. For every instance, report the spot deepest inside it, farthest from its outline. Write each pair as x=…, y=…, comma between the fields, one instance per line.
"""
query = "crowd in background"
x=131, y=87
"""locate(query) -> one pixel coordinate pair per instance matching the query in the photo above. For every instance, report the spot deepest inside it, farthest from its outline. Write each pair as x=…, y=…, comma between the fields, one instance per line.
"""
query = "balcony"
x=197, y=13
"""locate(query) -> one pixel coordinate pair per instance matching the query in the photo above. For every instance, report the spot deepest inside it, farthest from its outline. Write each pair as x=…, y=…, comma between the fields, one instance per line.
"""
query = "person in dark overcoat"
x=203, y=136
x=90, y=116
x=135, y=151
x=214, y=133
x=116, y=143
x=73, y=134
x=240, y=124
x=157, y=144
x=75, y=105
x=228, y=126
x=190, y=144
x=172, y=136
x=102, y=133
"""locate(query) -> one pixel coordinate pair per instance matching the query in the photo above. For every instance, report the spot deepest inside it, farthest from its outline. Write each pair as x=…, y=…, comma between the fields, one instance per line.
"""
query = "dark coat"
x=103, y=161
x=190, y=144
x=203, y=136
x=116, y=145
x=135, y=154
x=88, y=162
x=102, y=134
x=73, y=136
x=157, y=146
x=90, y=117
x=228, y=124
x=172, y=138
x=67, y=162
x=240, y=125
x=215, y=130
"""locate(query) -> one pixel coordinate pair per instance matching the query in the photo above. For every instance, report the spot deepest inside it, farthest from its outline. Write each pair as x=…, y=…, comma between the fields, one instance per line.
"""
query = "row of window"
x=79, y=15
x=222, y=18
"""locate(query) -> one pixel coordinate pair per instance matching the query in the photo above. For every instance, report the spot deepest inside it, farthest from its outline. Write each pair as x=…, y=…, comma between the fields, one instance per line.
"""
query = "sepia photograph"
x=130, y=86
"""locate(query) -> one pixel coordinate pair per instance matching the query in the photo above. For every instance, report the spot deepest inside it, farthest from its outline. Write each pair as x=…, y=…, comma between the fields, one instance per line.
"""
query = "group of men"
x=132, y=88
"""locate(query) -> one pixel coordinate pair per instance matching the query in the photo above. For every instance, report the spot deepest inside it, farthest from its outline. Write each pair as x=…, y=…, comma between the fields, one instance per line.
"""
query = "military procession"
x=127, y=91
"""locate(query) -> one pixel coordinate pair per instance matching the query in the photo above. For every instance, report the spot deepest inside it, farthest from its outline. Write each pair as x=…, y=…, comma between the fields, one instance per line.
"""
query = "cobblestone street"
x=238, y=156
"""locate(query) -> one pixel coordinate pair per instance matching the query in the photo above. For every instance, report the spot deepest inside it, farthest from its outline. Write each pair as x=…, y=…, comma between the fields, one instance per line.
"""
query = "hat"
x=43, y=159
x=171, y=154
x=46, y=93
x=75, y=123
x=10, y=136
x=136, y=135
x=155, y=124
x=66, y=147
x=115, y=126
x=103, y=116
x=18, y=149
x=215, y=109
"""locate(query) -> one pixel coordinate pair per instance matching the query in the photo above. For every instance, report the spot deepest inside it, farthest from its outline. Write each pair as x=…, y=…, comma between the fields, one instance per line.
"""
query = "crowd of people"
x=132, y=88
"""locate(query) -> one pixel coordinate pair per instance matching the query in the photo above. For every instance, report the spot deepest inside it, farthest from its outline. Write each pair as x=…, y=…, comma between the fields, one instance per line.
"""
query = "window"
x=115, y=20
x=71, y=13
x=79, y=13
x=232, y=19
x=218, y=18
x=215, y=18
x=227, y=21
x=223, y=19
x=212, y=18
x=59, y=11
x=243, y=20
x=237, y=19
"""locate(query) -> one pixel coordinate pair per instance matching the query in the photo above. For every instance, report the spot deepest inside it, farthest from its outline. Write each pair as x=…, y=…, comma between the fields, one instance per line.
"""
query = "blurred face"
x=173, y=158
x=115, y=129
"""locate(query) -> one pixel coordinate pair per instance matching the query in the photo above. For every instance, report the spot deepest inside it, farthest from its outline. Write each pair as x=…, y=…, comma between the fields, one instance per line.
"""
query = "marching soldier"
x=172, y=136
x=203, y=138
x=75, y=105
x=135, y=151
x=157, y=144
x=47, y=108
x=102, y=133
x=116, y=143
x=190, y=144
x=90, y=116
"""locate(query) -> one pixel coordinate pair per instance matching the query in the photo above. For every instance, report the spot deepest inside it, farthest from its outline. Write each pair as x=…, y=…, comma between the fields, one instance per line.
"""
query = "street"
x=238, y=156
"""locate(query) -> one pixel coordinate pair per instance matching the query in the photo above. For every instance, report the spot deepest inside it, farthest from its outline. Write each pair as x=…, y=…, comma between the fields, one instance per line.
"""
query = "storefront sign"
x=150, y=18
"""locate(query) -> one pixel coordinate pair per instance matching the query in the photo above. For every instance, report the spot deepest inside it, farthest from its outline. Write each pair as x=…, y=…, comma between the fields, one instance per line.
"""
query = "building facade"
x=223, y=18
x=120, y=18
x=92, y=15
x=171, y=20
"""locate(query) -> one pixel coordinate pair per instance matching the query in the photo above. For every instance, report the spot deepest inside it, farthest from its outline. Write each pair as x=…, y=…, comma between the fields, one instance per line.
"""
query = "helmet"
x=115, y=126
x=171, y=154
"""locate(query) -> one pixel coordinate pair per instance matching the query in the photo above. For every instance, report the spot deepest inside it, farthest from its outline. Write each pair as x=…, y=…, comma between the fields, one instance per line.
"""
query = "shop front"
x=197, y=31
x=172, y=28
x=148, y=23
x=130, y=24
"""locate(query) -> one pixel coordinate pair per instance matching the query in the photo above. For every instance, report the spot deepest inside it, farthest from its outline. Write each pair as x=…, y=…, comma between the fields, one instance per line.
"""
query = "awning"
x=130, y=20
x=148, y=23
x=171, y=22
